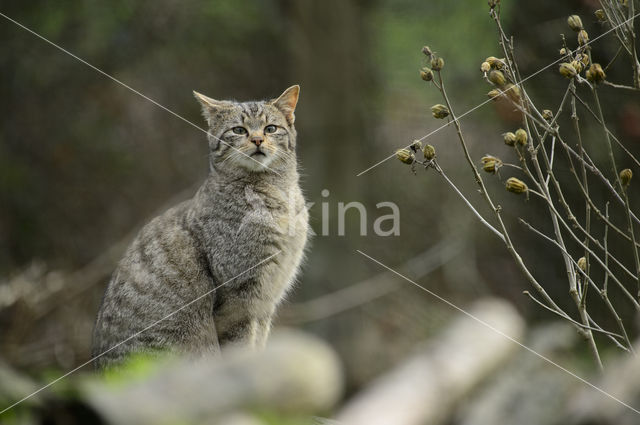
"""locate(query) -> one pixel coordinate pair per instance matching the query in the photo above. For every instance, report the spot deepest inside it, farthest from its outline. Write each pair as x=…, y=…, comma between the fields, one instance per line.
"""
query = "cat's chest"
x=256, y=221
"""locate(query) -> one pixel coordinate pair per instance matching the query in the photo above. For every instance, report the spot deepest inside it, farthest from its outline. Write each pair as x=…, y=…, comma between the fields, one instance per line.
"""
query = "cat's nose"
x=256, y=140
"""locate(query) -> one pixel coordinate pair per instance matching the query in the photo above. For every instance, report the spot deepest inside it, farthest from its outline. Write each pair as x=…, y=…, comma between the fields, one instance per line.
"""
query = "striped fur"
x=248, y=209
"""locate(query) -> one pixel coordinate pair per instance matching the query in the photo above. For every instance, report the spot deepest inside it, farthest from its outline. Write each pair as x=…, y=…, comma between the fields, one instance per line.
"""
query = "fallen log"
x=425, y=388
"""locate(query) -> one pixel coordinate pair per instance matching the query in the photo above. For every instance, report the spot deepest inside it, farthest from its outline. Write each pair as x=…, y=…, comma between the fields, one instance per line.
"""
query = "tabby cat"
x=210, y=272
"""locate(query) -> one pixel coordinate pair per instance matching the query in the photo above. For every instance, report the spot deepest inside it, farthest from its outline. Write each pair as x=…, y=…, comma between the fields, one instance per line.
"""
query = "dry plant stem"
x=634, y=53
x=597, y=173
x=543, y=185
x=594, y=208
x=571, y=274
x=606, y=68
x=595, y=328
x=607, y=301
x=588, y=165
x=634, y=248
x=611, y=337
x=587, y=208
x=615, y=139
x=624, y=33
x=582, y=185
x=571, y=216
x=633, y=239
x=503, y=230
x=605, y=294
x=469, y=204
x=572, y=279
x=559, y=218
x=619, y=86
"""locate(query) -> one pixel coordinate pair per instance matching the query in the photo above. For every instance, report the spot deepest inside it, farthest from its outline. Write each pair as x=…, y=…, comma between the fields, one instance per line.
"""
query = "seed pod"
x=405, y=156
x=494, y=62
x=584, y=59
x=490, y=163
x=577, y=65
x=521, y=137
x=583, y=37
x=429, y=152
x=513, y=92
x=416, y=146
x=497, y=78
x=625, y=177
x=509, y=139
x=427, y=51
x=493, y=3
x=575, y=23
x=426, y=74
x=595, y=73
x=567, y=70
x=437, y=63
x=515, y=185
x=600, y=15
x=485, y=67
x=564, y=51
x=582, y=263
x=439, y=111
x=547, y=114
x=494, y=94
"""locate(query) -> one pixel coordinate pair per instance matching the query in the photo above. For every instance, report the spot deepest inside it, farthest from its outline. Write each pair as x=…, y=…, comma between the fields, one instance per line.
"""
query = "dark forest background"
x=84, y=162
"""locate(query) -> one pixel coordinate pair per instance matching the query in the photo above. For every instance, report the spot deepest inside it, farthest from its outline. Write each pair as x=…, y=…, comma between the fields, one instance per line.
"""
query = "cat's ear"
x=287, y=102
x=210, y=106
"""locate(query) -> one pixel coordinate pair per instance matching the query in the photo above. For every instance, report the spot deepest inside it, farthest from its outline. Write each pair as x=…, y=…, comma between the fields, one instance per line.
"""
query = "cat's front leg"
x=242, y=332
x=264, y=329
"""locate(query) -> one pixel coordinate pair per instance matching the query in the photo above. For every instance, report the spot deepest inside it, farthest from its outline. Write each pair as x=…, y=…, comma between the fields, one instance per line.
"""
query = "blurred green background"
x=84, y=162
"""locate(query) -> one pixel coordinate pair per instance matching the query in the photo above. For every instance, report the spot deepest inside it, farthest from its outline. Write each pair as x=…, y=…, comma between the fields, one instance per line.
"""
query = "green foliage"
x=137, y=367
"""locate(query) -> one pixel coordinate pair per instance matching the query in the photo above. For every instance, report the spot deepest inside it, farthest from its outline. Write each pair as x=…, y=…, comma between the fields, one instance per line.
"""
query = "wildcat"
x=242, y=234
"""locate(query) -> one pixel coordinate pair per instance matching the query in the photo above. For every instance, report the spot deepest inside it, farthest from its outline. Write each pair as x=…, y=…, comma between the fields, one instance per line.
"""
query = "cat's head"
x=252, y=136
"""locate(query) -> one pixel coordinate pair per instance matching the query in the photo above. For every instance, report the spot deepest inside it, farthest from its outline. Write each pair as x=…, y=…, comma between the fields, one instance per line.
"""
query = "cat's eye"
x=239, y=130
x=270, y=129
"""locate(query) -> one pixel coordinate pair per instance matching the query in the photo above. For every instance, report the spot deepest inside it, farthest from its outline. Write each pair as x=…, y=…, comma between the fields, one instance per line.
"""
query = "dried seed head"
x=595, y=73
x=515, y=185
x=416, y=146
x=426, y=74
x=493, y=3
x=513, y=92
x=567, y=70
x=584, y=59
x=625, y=177
x=427, y=51
x=582, y=263
x=494, y=62
x=485, y=67
x=600, y=15
x=509, y=139
x=547, y=114
x=490, y=163
x=439, y=111
x=577, y=65
x=405, y=156
x=575, y=23
x=497, y=78
x=437, y=63
x=429, y=152
x=521, y=137
x=494, y=94
x=564, y=51
x=583, y=37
